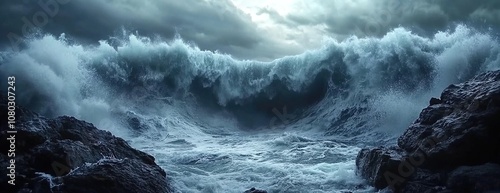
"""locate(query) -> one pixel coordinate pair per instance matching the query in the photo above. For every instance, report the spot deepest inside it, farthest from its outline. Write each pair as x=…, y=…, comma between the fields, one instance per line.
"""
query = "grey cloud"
x=365, y=17
x=213, y=25
x=219, y=25
x=277, y=17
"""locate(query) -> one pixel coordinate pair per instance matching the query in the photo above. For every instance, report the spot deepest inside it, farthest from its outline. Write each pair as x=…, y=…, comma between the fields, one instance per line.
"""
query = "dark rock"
x=463, y=130
x=432, y=114
x=67, y=155
x=448, y=146
x=425, y=181
x=376, y=163
x=435, y=101
x=253, y=190
x=483, y=178
x=115, y=175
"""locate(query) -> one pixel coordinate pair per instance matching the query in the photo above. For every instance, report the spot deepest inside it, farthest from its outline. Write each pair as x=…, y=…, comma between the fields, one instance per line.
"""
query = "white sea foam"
x=155, y=94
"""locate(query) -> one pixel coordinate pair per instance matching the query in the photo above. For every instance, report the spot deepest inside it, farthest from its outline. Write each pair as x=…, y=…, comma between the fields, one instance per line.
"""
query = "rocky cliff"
x=67, y=155
x=454, y=145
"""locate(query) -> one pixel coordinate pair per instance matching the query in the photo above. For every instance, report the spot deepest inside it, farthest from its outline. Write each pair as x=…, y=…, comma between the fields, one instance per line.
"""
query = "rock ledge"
x=454, y=145
x=66, y=155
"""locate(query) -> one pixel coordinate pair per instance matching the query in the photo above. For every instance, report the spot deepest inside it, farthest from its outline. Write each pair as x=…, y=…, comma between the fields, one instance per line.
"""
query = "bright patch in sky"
x=297, y=38
x=283, y=7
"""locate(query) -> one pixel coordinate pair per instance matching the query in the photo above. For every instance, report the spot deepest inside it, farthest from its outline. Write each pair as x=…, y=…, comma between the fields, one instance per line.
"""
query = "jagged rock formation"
x=67, y=155
x=454, y=145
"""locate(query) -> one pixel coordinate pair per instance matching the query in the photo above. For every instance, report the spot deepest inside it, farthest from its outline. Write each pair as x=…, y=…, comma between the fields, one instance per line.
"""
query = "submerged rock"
x=67, y=155
x=459, y=129
x=253, y=190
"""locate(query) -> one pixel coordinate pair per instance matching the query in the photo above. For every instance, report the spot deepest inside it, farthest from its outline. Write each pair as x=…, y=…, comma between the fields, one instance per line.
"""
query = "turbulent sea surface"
x=217, y=124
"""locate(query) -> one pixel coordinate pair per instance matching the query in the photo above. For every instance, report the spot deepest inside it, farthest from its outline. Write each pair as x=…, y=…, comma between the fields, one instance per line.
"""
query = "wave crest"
x=57, y=77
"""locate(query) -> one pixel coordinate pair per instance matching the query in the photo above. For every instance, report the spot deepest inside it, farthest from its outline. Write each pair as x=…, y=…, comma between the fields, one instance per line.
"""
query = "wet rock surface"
x=376, y=162
x=254, y=190
x=454, y=145
x=70, y=156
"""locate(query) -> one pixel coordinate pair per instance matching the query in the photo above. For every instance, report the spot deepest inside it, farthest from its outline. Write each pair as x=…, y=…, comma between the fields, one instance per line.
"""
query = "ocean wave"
x=370, y=79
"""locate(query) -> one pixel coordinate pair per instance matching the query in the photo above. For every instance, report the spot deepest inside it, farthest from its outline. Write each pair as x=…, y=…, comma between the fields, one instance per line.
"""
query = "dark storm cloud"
x=220, y=25
x=367, y=17
x=214, y=25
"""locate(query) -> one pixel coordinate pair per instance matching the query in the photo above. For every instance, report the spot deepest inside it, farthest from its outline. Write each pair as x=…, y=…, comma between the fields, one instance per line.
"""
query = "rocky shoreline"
x=454, y=145
x=68, y=155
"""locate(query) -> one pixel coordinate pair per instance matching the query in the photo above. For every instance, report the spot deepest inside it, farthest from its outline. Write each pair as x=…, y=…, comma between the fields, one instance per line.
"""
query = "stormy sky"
x=256, y=29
